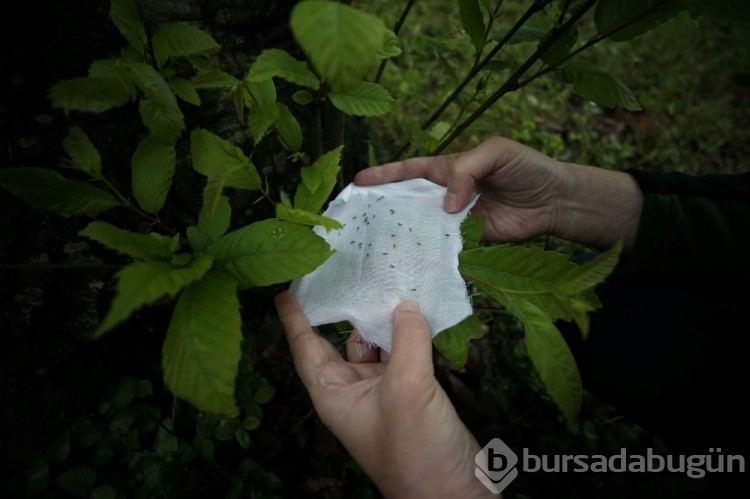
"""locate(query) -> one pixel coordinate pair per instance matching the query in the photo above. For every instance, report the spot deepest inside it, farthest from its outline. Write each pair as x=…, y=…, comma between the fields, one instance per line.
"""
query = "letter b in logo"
x=496, y=465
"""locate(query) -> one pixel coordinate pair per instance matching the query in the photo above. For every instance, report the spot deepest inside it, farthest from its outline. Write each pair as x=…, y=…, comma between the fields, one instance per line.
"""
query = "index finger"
x=434, y=169
x=310, y=352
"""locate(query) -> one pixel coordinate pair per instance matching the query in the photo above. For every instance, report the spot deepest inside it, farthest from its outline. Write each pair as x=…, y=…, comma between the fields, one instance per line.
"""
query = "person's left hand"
x=391, y=415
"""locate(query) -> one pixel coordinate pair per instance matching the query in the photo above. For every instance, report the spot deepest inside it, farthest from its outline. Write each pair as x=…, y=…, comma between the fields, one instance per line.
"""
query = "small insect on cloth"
x=397, y=243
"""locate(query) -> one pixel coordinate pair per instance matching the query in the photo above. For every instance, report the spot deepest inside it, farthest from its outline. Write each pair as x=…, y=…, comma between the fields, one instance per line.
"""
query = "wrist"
x=597, y=207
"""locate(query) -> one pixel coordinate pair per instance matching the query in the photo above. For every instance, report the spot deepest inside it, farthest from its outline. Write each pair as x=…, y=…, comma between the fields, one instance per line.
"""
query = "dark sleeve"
x=669, y=345
x=693, y=226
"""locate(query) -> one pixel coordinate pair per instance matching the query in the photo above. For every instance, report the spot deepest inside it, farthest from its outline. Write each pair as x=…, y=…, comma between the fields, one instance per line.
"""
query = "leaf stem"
x=476, y=68
x=512, y=83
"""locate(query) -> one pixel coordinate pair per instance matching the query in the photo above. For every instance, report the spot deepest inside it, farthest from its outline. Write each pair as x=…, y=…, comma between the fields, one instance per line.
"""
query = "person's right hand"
x=525, y=193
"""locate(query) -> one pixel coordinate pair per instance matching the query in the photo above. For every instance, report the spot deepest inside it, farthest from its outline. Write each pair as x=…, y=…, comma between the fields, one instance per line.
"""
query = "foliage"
x=203, y=266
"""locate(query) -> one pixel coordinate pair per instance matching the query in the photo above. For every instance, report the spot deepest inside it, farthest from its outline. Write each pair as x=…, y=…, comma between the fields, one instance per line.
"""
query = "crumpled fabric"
x=397, y=243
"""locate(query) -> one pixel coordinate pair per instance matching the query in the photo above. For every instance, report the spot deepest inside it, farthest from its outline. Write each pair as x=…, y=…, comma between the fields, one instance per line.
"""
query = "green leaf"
x=270, y=252
x=263, y=392
x=390, y=46
x=181, y=39
x=589, y=274
x=626, y=19
x=243, y=438
x=302, y=97
x=288, y=129
x=211, y=226
x=304, y=217
x=203, y=345
x=276, y=62
x=45, y=189
x=216, y=224
x=152, y=84
x=523, y=34
x=84, y=155
x=77, y=481
x=262, y=110
x=164, y=122
x=223, y=163
x=143, y=283
x=91, y=95
x=368, y=99
x=559, y=48
x=340, y=41
x=185, y=90
x=133, y=244
x=153, y=163
x=453, y=343
x=473, y=22
x=318, y=181
x=126, y=15
x=595, y=84
x=511, y=272
x=214, y=79
x=472, y=230
x=552, y=358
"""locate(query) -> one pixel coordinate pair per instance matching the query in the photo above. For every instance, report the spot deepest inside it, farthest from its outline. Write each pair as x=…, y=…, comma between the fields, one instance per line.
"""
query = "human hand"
x=391, y=415
x=525, y=193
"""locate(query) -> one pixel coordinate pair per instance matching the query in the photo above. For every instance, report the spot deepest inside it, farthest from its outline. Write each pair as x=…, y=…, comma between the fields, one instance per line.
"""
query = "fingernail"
x=407, y=306
x=450, y=204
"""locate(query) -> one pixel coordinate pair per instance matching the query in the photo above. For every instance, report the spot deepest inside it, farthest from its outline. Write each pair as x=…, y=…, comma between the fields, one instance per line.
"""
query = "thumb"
x=411, y=349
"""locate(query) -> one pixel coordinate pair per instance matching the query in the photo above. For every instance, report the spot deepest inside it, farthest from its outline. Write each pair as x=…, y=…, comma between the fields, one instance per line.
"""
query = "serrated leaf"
x=523, y=34
x=340, y=41
x=91, y=95
x=278, y=63
x=185, y=90
x=551, y=357
x=126, y=15
x=288, y=129
x=595, y=84
x=270, y=252
x=152, y=84
x=85, y=157
x=45, y=189
x=589, y=274
x=626, y=19
x=153, y=167
x=214, y=79
x=305, y=217
x=260, y=100
x=453, y=343
x=473, y=22
x=143, y=283
x=509, y=272
x=133, y=244
x=390, y=46
x=164, y=122
x=318, y=181
x=223, y=163
x=114, y=70
x=368, y=99
x=182, y=39
x=472, y=230
x=202, y=350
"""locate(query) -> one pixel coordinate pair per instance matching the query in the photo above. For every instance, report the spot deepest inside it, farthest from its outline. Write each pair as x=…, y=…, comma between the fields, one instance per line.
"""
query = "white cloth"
x=397, y=243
